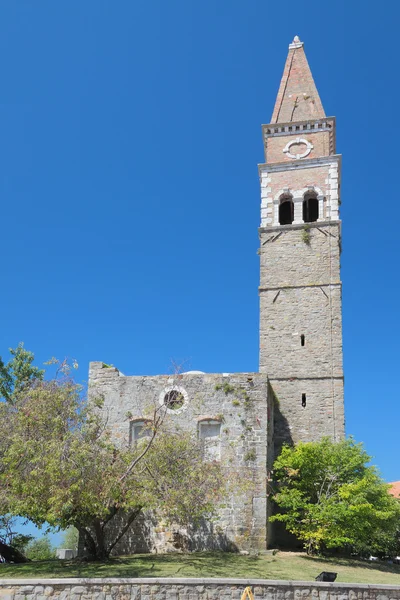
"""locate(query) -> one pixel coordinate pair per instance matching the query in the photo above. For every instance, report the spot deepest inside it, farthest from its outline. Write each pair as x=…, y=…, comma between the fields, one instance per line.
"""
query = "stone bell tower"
x=300, y=244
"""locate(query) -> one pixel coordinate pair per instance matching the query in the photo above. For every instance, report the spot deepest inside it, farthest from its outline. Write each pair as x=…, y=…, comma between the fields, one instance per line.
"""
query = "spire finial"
x=296, y=43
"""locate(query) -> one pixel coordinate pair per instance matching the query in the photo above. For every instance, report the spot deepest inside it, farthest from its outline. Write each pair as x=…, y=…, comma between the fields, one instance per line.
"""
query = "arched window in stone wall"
x=310, y=207
x=210, y=438
x=286, y=210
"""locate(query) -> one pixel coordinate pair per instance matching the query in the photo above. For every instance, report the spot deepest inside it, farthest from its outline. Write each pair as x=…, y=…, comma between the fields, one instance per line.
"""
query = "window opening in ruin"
x=139, y=430
x=303, y=339
x=310, y=208
x=286, y=211
x=303, y=400
x=210, y=439
x=174, y=399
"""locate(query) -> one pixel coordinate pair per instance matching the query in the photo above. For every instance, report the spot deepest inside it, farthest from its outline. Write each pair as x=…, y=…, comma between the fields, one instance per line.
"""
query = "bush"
x=40, y=549
x=331, y=498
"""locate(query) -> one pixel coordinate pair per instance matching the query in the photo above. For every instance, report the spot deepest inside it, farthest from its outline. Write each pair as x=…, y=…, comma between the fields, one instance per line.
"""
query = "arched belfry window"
x=310, y=207
x=286, y=210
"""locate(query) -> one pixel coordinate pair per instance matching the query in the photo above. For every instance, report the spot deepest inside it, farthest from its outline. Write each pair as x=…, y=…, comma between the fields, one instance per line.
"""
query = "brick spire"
x=298, y=98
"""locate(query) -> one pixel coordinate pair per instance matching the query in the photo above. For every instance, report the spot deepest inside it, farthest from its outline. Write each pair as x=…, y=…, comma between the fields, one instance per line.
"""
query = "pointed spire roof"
x=298, y=98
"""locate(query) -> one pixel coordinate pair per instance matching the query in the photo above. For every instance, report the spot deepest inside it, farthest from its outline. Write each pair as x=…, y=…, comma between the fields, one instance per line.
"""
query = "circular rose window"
x=174, y=398
x=298, y=148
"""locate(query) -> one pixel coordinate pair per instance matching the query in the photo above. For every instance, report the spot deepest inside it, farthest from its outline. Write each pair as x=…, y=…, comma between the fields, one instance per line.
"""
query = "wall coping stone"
x=194, y=581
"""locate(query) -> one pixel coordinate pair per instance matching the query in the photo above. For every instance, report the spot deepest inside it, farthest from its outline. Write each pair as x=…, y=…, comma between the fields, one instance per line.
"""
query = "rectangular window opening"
x=303, y=339
x=210, y=438
x=303, y=400
x=138, y=430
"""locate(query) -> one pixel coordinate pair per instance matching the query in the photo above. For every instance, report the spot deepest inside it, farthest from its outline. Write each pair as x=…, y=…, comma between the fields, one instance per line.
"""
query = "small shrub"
x=228, y=389
x=40, y=549
x=250, y=455
x=305, y=235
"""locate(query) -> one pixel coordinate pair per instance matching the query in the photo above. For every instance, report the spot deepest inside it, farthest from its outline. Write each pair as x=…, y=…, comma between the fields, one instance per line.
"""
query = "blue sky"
x=130, y=134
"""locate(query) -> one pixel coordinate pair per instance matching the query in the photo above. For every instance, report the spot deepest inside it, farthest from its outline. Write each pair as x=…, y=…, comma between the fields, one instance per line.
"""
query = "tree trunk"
x=101, y=552
x=131, y=517
x=12, y=555
x=97, y=546
x=90, y=546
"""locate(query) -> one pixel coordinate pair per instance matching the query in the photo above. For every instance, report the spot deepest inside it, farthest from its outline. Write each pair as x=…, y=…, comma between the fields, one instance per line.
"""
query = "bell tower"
x=300, y=245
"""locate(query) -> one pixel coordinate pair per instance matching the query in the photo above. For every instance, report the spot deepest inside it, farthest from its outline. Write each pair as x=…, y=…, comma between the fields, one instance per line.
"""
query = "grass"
x=283, y=565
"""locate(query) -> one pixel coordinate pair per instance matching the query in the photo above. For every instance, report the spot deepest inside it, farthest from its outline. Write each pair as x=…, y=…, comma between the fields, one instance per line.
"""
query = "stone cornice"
x=316, y=224
x=296, y=287
x=294, y=127
x=303, y=163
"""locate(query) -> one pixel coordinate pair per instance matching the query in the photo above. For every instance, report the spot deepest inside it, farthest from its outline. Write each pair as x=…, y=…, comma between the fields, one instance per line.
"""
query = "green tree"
x=331, y=498
x=70, y=539
x=12, y=543
x=62, y=467
x=15, y=375
x=40, y=549
x=18, y=372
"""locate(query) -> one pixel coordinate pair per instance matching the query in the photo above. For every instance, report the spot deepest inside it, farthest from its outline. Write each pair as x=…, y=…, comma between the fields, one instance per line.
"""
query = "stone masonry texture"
x=189, y=589
x=245, y=431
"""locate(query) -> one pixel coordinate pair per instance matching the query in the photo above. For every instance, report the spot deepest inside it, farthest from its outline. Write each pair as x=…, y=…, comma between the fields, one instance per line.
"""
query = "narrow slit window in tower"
x=303, y=400
x=286, y=211
x=303, y=339
x=310, y=208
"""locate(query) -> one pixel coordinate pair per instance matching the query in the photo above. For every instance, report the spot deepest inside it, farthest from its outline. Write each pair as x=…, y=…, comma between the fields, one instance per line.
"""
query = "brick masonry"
x=297, y=98
x=188, y=589
x=321, y=142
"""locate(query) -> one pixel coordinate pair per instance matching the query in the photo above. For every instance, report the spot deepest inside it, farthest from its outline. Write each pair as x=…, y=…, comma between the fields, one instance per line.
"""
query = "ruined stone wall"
x=189, y=589
x=241, y=403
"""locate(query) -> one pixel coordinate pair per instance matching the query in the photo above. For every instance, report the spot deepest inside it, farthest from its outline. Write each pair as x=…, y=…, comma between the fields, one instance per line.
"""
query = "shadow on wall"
x=148, y=535
x=138, y=539
x=282, y=433
x=208, y=536
x=278, y=536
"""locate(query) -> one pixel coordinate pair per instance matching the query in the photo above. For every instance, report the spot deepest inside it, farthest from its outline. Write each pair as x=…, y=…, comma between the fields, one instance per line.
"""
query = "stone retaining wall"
x=188, y=589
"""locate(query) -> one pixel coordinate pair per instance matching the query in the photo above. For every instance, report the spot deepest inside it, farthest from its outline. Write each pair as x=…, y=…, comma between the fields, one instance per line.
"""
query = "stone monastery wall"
x=232, y=414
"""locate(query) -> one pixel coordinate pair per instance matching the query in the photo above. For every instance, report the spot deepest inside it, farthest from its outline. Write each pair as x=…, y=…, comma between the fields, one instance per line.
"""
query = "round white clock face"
x=298, y=148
